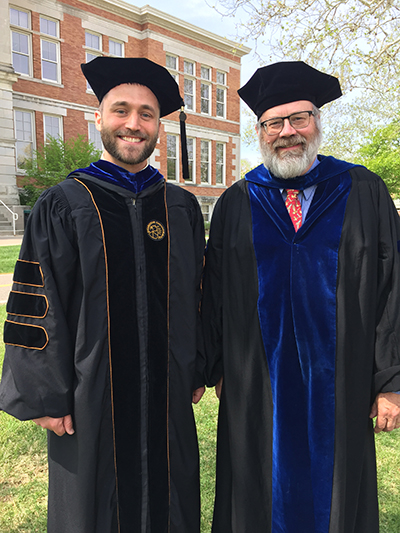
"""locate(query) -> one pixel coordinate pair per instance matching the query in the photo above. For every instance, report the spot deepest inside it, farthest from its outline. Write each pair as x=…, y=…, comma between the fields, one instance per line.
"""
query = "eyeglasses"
x=298, y=121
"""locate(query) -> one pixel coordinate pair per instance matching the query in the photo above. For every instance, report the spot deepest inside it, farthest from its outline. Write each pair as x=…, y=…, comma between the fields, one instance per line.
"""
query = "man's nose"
x=133, y=121
x=287, y=129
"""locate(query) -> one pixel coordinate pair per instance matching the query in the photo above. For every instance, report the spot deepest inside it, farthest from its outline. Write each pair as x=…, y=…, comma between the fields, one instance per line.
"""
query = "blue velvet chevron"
x=297, y=310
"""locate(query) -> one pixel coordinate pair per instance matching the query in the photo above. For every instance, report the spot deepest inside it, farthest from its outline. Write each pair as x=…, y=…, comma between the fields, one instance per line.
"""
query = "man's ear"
x=97, y=117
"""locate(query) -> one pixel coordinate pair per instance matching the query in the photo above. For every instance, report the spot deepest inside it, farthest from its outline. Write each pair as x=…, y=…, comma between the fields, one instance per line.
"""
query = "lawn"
x=9, y=256
x=23, y=470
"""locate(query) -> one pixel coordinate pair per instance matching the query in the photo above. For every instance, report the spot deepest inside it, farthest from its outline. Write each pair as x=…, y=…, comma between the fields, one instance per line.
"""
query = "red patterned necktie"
x=294, y=207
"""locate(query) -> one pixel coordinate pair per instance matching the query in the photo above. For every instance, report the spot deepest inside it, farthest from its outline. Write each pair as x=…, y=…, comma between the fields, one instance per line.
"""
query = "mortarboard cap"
x=288, y=81
x=105, y=73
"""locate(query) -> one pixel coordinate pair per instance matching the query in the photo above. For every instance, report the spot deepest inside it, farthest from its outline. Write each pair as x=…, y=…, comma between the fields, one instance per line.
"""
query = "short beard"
x=109, y=142
x=290, y=165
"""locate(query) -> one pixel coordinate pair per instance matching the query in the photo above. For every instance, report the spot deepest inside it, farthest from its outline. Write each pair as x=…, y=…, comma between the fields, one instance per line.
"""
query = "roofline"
x=147, y=14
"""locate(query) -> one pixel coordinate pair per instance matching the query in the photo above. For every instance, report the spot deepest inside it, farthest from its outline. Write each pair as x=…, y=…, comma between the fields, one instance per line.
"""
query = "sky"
x=199, y=13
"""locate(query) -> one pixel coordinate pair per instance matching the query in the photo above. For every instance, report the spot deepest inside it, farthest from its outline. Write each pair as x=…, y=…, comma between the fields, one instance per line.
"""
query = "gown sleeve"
x=212, y=300
x=37, y=377
x=387, y=345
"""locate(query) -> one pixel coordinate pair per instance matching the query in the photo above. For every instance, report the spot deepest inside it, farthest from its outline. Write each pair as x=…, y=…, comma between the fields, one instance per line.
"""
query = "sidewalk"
x=10, y=240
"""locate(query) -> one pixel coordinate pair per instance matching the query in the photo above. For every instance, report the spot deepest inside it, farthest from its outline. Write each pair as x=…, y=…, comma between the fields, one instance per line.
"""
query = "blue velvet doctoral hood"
x=297, y=274
x=106, y=171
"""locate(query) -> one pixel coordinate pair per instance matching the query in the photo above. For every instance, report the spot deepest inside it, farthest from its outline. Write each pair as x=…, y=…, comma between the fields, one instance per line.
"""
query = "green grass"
x=8, y=258
x=23, y=470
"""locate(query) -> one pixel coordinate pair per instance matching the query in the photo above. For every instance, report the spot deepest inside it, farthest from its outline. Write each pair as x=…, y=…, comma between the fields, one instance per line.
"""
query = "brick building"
x=43, y=91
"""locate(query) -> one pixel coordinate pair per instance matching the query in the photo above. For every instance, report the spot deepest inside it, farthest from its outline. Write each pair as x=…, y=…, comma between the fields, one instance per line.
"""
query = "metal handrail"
x=14, y=215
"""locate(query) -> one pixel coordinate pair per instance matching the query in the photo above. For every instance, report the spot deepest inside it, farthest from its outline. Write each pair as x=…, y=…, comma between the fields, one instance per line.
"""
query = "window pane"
x=19, y=18
x=23, y=133
x=171, y=157
x=115, y=48
x=205, y=92
x=220, y=102
x=221, y=78
x=94, y=136
x=49, y=51
x=21, y=64
x=49, y=27
x=92, y=41
x=188, y=67
x=190, y=149
x=188, y=93
x=205, y=73
x=171, y=62
x=51, y=126
x=219, y=163
x=20, y=42
x=204, y=161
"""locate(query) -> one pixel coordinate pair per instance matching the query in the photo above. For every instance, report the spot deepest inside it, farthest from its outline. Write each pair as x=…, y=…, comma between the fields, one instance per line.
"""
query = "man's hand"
x=387, y=410
x=58, y=425
x=197, y=394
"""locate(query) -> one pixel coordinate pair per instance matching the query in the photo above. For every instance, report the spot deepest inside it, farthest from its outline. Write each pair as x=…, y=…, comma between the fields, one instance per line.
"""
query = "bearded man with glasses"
x=300, y=312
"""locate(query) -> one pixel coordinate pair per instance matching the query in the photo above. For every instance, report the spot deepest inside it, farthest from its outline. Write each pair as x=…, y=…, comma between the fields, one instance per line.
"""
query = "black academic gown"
x=363, y=335
x=102, y=325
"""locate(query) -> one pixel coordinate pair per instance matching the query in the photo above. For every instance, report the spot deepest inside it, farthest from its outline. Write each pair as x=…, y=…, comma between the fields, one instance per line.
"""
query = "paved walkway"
x=6, y=279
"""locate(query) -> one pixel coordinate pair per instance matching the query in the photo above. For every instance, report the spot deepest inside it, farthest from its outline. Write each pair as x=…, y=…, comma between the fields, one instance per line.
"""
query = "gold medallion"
x=155, y=230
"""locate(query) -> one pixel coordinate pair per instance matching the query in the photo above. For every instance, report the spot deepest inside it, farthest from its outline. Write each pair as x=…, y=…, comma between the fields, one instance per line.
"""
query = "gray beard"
x=290, y=165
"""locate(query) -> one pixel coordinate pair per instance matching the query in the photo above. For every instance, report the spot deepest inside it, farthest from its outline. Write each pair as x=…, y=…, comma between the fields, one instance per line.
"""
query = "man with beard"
x=103, y=319
x=300, y=310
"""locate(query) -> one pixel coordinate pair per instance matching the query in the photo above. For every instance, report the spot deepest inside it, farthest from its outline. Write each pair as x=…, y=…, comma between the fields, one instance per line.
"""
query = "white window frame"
x=204, y=100
x=175, y=158
x=222, y=164
x=192, y=160
x=26, y=32
x=94, y=136
x=60, y=131
x=115, y=41
x=53, y=40
x=205, y=164
x=19, y=140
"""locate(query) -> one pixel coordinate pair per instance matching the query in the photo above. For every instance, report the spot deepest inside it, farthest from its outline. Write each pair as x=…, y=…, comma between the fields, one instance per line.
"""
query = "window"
x=93, y=41
x=171, y=62
x=172, y=158
x=205, y=73
x=205, y=98
x=206, y=210
x=52, y=127
x=50, y=50
x=205, y=162
x=95, y=137
x=220, y=102
x=24, y=136
x=220, y=163
x=188, y=93
x=190, y=149
x=220, y=77
x=21, y=42
x=116, y=48
x=188, y=67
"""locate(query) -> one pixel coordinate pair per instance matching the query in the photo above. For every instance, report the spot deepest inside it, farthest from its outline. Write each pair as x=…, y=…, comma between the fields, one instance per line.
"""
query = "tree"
x=381, y=154
x=356, y=40
x=52, y=162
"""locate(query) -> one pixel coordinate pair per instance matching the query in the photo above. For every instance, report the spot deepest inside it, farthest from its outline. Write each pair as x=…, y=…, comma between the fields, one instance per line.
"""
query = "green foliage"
x=52, y=162
x=381, y=154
